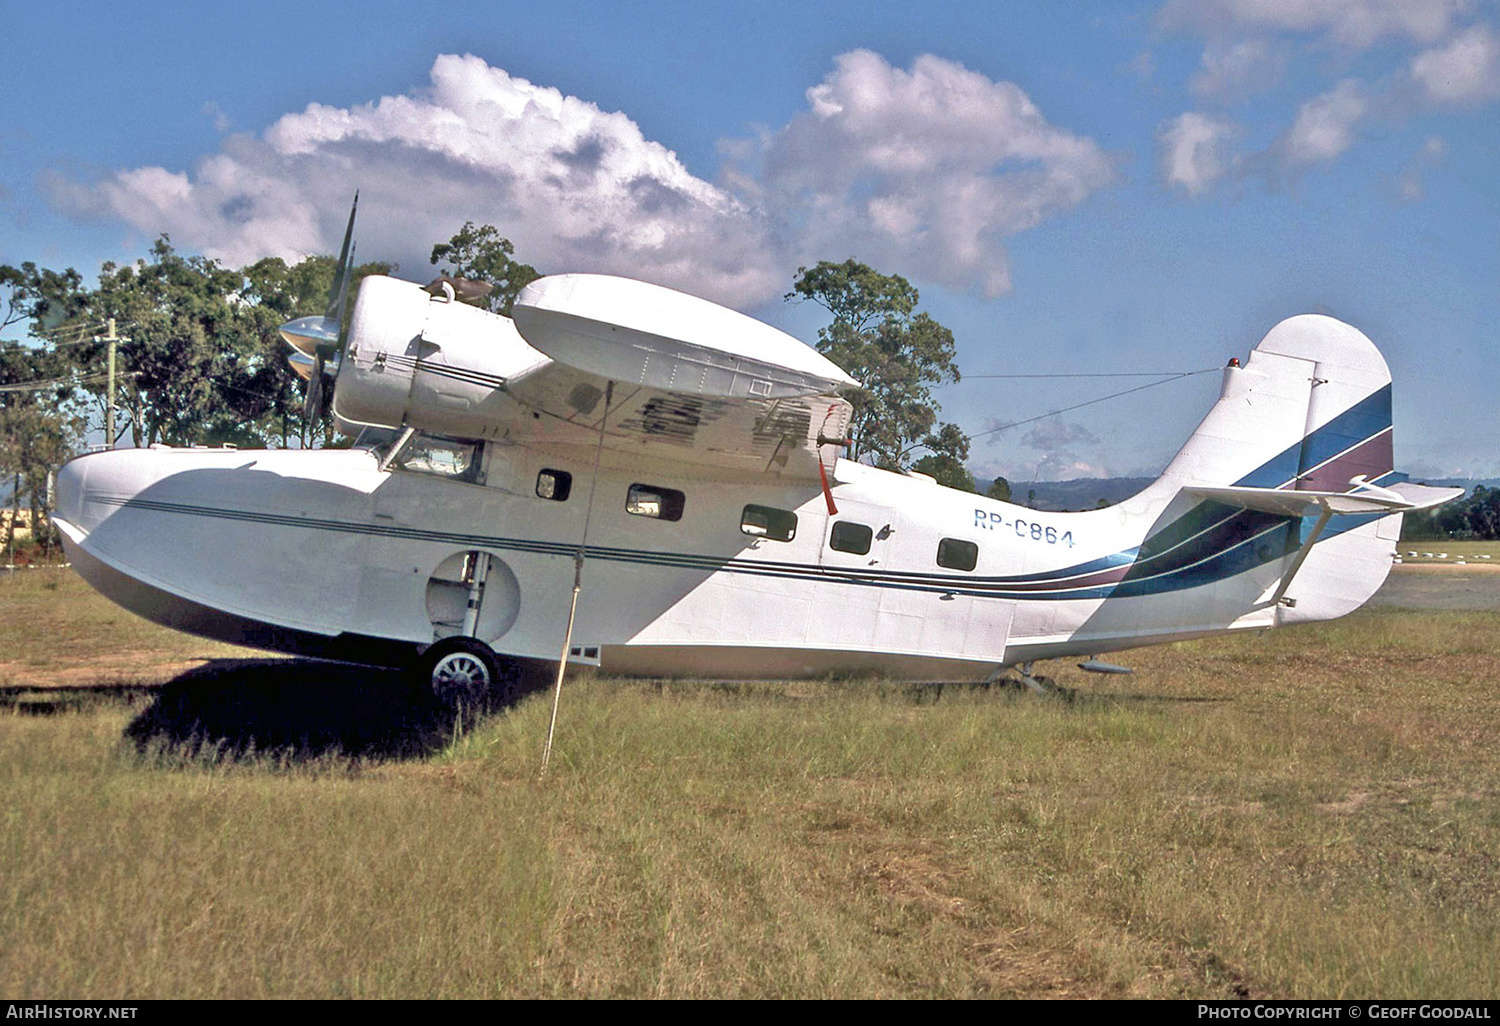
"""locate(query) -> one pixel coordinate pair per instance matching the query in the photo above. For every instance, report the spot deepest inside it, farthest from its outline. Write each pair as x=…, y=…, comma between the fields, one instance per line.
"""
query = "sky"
x=1086, y=187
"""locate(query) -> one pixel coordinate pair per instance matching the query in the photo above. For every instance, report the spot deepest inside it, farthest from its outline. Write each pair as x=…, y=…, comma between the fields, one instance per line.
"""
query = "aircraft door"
x=854, y=556
x=858, y=538
x=411, y=583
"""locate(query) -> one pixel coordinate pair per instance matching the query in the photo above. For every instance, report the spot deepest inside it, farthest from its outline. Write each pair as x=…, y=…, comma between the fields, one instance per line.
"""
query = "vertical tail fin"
x=1310, y=409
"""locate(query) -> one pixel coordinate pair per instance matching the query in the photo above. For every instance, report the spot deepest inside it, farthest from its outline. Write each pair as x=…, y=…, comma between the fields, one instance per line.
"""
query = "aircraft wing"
x=776, y=436
x=1397, y=498
x=683, y=379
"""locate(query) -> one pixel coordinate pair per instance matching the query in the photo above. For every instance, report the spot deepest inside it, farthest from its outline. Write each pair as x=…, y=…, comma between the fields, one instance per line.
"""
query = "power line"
x=1096, y=374
x=84, y=328
x=1078, y=406
x=73, y=342
x=37, y=386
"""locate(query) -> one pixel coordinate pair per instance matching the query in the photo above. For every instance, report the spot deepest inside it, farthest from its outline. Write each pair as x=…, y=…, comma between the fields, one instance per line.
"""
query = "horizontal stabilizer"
x=1398, y=498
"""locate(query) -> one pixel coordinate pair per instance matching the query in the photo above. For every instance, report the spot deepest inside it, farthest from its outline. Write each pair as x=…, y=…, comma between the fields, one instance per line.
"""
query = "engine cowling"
x=465, y=355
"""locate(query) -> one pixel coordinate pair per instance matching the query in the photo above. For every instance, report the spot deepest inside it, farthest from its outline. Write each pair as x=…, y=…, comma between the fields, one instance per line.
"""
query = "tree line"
x=1475, y=516
x=199, y=360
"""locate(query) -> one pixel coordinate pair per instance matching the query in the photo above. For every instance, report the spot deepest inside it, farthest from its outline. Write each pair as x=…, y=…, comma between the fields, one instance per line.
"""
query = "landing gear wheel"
x=464, y=672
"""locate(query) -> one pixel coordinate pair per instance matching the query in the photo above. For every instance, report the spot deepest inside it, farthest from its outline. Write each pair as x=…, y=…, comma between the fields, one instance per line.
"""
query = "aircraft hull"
x=726, y=572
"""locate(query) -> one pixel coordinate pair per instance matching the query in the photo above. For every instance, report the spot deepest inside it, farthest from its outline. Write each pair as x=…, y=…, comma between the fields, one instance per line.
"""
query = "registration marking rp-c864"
x=1023, y=528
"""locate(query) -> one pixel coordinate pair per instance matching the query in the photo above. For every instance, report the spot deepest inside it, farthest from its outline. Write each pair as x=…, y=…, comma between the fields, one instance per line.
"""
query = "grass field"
x=1474, y=552
x=1306, y=813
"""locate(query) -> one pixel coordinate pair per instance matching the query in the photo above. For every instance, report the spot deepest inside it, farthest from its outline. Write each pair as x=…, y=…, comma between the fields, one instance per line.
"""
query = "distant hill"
x=1079, y=493
x=1466, y=483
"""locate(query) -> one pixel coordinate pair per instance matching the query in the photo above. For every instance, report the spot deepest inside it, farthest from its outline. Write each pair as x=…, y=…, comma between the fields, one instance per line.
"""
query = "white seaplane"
x=628, y=477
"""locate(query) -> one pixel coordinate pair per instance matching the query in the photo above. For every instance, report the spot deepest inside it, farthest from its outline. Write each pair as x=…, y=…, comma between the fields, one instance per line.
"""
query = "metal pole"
x=109, y=417
x=562, y=665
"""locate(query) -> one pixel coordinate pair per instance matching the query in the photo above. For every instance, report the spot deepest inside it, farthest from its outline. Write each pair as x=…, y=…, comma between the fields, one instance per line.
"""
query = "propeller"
x=317, y=341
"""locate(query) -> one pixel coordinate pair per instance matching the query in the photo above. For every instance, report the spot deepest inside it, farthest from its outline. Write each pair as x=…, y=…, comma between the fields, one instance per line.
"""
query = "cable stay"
x=1091, y=402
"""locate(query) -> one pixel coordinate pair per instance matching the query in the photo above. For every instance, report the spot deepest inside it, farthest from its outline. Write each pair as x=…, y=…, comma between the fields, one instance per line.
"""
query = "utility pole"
x=109, y=417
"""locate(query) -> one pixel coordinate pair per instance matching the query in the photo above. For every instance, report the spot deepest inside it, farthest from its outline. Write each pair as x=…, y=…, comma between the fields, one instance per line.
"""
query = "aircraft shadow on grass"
x=298, y=708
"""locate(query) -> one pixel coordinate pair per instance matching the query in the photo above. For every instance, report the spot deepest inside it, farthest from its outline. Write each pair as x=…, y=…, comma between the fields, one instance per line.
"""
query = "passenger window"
x=766, y=522
x=957, y=555
x=554, y=484
x=654, y=502
x=850, y=537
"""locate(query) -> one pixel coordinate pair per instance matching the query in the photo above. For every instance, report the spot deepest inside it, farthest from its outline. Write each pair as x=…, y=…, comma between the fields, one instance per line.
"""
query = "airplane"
x=624, y=476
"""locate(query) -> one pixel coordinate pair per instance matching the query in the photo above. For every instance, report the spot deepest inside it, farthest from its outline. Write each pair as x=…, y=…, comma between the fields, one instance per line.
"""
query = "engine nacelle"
x=465, y=356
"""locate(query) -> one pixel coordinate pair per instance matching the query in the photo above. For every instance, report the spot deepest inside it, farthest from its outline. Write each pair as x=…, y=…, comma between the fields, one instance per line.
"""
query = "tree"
x=945, y=462
x=481, y=254
x=201, y=360
x=999, y=490
x=898, y=355
x=39, y=425
x=37, y=433
x=1474, y=516
x=189, y=370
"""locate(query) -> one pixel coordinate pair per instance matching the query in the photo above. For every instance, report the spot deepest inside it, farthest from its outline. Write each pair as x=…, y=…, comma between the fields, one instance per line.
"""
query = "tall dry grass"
x=1304, y=813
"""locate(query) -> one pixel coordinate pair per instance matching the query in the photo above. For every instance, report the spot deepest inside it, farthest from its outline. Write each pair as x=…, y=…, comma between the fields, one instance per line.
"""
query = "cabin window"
x=850, y=537
x=957, y=555
x=766, y=522
x=441, y=457
x=554, y=484
x=657, y=503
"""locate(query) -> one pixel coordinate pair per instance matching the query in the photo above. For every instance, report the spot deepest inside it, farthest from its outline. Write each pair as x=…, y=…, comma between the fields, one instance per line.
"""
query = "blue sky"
x=1073, y=187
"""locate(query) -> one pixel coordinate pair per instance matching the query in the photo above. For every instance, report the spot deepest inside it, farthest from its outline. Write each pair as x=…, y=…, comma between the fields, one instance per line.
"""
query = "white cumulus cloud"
x=928, y=170
x=1233, y=70
x=1416, y=55
x=1409, y=186
x=1193, y=151
x=1356, y=24
x=922, y=171
x=1325, y=125
x=574, y=186
x=1464, y=69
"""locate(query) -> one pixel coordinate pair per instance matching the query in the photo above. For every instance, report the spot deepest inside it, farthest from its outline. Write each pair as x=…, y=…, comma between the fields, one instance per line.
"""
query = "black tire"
x=465, y=672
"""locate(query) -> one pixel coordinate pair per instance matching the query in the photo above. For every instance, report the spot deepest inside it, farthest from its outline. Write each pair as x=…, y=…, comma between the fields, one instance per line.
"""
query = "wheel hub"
x=460, y=675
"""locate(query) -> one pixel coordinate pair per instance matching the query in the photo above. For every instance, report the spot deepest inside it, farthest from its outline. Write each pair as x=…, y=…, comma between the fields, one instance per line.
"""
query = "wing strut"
x=562, y=662
x=1302, y=554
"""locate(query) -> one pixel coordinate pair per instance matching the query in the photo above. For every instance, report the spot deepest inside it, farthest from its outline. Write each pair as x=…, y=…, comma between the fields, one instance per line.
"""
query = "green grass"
x=1305, y=813
x=1469, y=551
x=55, y=629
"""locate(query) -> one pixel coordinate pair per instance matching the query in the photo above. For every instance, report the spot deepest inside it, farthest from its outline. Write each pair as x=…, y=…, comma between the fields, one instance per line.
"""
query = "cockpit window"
x=452, y=458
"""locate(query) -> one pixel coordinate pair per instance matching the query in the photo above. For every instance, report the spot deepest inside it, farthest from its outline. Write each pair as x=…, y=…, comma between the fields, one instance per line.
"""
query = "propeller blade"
x=312, y=406
x=340, y=290
x=303, y=364
x=343, y=324
x=317, y=342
